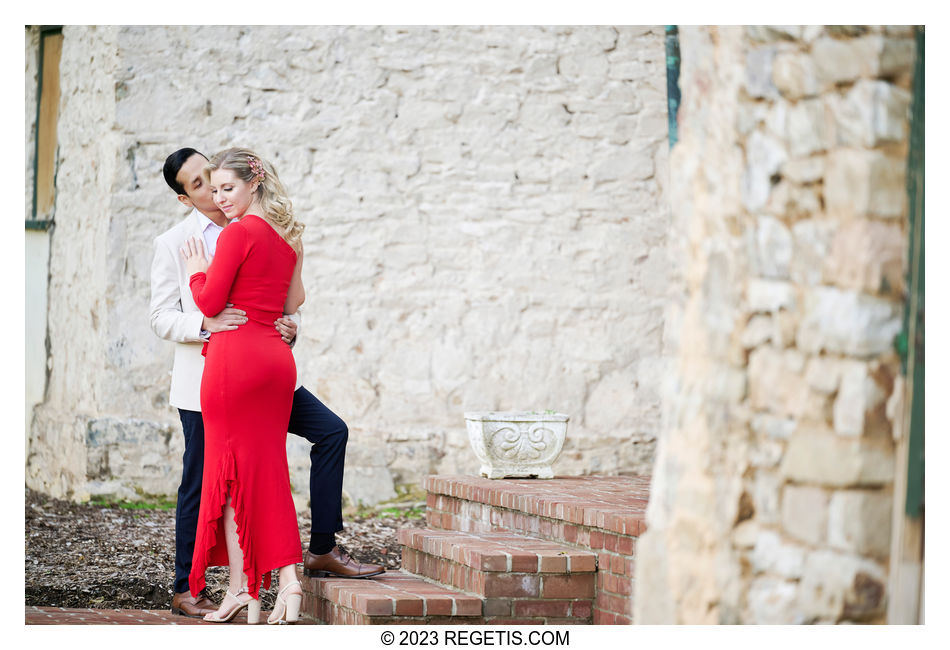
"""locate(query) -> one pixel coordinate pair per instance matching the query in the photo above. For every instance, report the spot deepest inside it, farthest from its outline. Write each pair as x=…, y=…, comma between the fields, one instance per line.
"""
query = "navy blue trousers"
x=309, y=419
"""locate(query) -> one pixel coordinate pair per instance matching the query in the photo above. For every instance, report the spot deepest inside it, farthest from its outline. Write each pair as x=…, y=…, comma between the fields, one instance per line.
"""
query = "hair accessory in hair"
x=256, y=166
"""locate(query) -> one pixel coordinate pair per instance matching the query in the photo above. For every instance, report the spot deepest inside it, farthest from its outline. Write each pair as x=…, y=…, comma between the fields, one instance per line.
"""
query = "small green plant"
x=413, y=512
x=409, y=502
x=134, y=505
x=359, y=511
x=409, y=492
x=391, y=509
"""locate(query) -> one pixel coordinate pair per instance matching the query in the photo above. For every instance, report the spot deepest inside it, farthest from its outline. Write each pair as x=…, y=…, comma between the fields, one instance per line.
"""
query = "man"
x=175, y=317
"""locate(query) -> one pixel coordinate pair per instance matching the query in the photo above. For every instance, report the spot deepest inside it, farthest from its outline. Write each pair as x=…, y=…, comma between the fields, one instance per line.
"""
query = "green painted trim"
x=913, y=330
x=36, y=122
x=44, y=31
x=39, y=224
x=672, y=80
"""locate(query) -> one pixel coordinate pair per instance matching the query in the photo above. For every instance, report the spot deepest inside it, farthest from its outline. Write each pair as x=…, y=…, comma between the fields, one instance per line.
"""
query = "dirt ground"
x=82, y=555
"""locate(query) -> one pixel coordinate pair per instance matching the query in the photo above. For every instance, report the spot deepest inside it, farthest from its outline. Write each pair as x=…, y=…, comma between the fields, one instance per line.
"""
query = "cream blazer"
x=174, y=316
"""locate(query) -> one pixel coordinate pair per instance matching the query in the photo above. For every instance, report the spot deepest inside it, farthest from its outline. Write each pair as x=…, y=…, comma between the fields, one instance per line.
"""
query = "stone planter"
x=516, y=443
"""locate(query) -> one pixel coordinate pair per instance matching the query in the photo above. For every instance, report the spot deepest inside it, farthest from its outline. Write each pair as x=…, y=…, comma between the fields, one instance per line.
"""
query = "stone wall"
x=486, y=229
x=771, y=500
x=82, y=267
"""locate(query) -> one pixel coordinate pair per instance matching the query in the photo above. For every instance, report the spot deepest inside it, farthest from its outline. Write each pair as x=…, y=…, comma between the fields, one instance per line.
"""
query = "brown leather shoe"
x=338, y=564
x=187, y=605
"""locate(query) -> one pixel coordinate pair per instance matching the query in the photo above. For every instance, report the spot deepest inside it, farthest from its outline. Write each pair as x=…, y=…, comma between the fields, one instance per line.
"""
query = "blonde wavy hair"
x=271, y=194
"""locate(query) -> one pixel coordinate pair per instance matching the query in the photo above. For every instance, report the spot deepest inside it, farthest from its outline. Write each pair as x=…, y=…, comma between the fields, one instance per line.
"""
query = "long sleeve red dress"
x=247, y=392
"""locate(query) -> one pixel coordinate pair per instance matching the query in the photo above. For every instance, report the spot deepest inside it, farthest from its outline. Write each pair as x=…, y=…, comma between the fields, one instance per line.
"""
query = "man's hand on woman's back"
x=287, y=329
x=228, y=319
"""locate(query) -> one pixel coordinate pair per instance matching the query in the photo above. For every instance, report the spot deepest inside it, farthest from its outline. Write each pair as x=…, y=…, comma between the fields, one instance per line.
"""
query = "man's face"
x=198, y=192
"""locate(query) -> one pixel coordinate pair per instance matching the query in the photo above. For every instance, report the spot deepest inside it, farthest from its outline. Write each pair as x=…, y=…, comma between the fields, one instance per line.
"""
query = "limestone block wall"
x=81, y=328
x=771, y=499
x=486, y=229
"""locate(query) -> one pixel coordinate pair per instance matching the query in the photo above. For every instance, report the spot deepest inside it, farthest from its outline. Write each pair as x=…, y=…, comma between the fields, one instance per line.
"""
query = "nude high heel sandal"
x=254, y=612
x=286, y=610
x=253, y=609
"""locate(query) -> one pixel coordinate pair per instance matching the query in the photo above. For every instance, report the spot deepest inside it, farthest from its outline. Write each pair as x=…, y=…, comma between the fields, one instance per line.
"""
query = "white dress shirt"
x=210, y=232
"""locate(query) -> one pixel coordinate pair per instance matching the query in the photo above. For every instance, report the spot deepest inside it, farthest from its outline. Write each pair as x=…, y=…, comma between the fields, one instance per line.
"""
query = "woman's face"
x=232, y=195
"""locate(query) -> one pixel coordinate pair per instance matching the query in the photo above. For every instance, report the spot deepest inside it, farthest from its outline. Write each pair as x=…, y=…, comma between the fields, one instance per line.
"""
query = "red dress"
x=247, y=391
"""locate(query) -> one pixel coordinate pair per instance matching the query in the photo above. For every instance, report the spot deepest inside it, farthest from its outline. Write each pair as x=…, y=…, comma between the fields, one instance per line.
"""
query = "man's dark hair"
x=173, y=165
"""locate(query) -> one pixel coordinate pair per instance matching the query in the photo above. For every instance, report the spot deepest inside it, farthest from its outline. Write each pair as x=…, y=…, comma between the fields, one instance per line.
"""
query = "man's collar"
x=204, y=221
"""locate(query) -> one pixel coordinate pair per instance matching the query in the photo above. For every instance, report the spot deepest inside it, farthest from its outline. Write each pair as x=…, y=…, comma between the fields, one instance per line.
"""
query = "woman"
x=247, y=518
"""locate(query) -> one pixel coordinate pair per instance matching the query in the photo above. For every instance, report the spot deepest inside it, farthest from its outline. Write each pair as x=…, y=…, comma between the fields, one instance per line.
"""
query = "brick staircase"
x=513, y=551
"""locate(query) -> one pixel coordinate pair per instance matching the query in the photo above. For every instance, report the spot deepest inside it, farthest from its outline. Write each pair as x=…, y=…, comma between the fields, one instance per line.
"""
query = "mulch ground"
x=110, y=557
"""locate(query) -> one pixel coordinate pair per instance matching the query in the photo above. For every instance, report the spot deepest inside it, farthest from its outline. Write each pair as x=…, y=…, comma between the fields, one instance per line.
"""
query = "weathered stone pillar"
x=771, y=497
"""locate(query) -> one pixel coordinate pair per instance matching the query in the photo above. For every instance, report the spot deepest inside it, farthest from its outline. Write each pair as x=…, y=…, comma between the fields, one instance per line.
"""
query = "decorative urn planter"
x=516, y=443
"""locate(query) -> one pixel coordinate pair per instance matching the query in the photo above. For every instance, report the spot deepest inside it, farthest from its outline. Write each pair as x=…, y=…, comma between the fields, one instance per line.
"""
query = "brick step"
x=613, y=504
x=395, y=597
x=601, y=514
x=520, y=578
